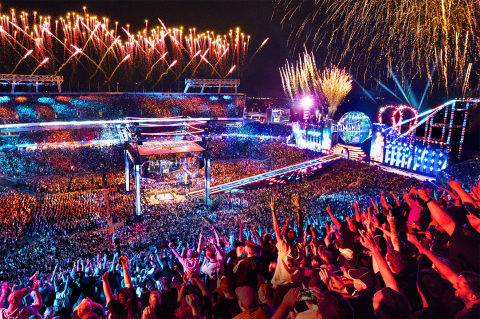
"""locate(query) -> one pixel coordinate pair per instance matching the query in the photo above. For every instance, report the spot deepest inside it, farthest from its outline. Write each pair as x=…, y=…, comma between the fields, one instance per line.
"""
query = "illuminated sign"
x=353, y=127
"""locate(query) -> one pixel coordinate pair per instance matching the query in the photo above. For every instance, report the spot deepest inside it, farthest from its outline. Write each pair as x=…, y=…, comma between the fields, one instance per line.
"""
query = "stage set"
x=424, y=143
x=156, y=127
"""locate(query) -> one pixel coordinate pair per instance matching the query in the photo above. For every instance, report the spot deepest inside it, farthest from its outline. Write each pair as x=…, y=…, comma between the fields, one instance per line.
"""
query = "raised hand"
x=413, y=239
x=454, y=184
x=296, y=200
x=292, y=297
x=390, y=218
x=105, y=276
x=324, y=275
x=367, y=240
x=149, y=313
x=422, y=193
x=474, y=221
x=192, y=300
x=355, y=205
x=273, y=202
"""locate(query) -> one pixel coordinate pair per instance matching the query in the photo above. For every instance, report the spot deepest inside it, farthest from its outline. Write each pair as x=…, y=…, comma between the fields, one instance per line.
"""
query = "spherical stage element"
x=354, y=127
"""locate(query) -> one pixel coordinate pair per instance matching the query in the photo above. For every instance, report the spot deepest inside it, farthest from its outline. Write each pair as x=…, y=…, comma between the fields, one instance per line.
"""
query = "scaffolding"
x=211, y=83
x=18, y=79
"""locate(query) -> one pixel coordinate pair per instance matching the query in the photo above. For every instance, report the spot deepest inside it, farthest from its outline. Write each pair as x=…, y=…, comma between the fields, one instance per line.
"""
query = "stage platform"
x=257, y=178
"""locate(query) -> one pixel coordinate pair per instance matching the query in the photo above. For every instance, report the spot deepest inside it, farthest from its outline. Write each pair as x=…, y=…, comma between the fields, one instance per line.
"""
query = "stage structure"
x=36, y=80
x=176, y=121
x=443, y=136
x=211, y=83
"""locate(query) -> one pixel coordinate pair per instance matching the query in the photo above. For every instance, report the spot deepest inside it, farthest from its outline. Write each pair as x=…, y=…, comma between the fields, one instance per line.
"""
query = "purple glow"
x=306, y=102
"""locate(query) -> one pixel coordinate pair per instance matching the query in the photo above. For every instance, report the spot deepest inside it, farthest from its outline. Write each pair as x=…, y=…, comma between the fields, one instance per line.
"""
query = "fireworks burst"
x=301, y=78
x=335, y=84
x=409, y=35
x=80, y=45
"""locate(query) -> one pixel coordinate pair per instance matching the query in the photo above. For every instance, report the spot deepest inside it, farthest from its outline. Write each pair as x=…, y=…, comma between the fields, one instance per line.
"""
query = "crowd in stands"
x=62, y=214
x=59, y=136
x=60, y=160
x=32, y=108
x=278, y=153
x=15, y=211
x=336, y=245
x=465, y=172
x=255, y=129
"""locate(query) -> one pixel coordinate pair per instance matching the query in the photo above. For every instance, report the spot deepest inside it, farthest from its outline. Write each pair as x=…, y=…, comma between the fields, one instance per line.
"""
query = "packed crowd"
x=278, y=153
x=57, y=107
x=342, y=248
x=465, y=172
x=60, y=160
x=257, y=129
x=62, y=214
x=58, y=136
x=15, y=211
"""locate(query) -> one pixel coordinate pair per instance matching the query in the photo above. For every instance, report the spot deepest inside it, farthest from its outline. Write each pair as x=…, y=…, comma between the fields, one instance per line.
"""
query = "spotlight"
x=306, y=102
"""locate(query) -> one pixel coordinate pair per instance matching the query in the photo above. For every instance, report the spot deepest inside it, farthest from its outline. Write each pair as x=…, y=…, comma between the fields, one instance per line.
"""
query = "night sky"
x=261, y=76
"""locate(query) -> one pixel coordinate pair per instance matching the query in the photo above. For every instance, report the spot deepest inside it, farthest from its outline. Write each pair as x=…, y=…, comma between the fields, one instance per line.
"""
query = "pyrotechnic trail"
x=43, y=62
x=124, y=59
x=24, y=57
x=171, y=65
x=77, y=51
x=103, y=58
x=302, y=78
x=191, y=60
x=151, y=69
x=408, y=34
x=259, y=48
x=231, y=70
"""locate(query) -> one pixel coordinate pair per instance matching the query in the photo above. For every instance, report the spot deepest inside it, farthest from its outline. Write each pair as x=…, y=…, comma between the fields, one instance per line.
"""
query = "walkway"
x=257, y=178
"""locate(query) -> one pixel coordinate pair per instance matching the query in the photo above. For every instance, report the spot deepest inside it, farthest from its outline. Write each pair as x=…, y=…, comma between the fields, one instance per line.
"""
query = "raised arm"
x=375, y=207
x=393, y=231
x=106, y=288
x=276, y=228
x=358, y=218
x=240, y=231
x=259, y=238
x=52, y=276
x=126, y=271
x=5, y=289
x=369, y=243
x=199, y=247
x=437, y=213
x=170, y=245
x=464, y=196
x=442, y=268
x=217, y=237
x=395, y=198
x=296, y=203
x=333, y=218
x=38, y=298
x=383, y=201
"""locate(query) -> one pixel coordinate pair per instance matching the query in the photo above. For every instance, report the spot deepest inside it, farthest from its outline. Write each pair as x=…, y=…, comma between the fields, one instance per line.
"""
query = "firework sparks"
x=88, y=44
x=335, y=84
x=409, y=35
x=301, y=78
